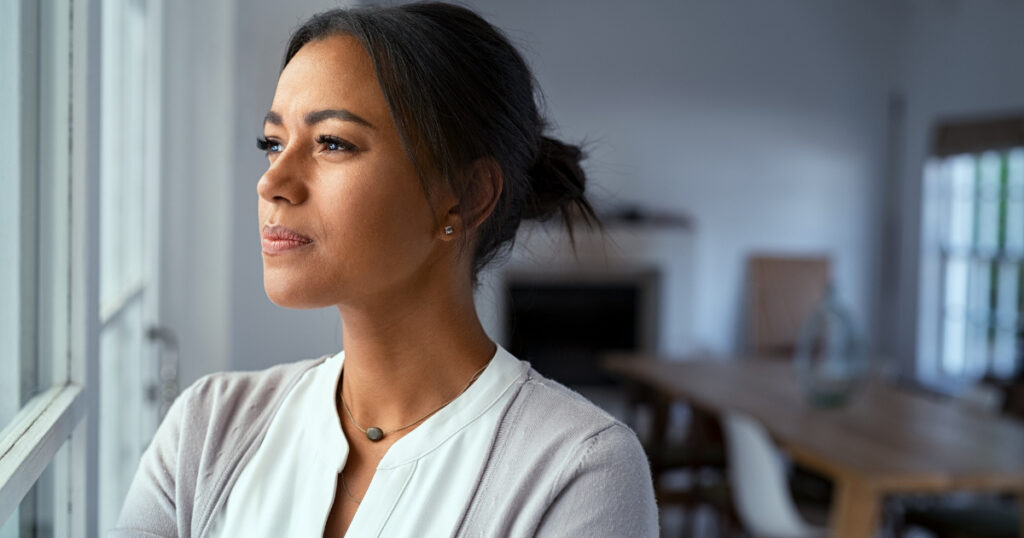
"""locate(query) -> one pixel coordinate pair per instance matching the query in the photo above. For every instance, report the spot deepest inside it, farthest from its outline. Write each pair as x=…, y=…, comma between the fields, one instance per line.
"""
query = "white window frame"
x=961, y=150
x=52, y=419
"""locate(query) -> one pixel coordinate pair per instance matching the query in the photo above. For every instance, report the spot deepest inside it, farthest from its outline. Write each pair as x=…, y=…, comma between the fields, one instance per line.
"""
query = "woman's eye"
x=333, y=143
x=268, y=145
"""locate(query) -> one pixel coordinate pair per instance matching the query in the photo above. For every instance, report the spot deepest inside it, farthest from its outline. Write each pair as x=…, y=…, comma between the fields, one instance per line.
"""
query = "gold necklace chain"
x=375, y=434
x=345, y=488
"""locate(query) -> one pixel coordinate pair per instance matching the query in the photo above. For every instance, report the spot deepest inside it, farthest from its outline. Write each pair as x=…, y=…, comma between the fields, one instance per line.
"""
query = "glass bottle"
x=829, y=361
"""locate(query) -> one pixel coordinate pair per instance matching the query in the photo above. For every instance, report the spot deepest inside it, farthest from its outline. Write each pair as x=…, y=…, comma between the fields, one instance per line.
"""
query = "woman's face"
x=340, y=178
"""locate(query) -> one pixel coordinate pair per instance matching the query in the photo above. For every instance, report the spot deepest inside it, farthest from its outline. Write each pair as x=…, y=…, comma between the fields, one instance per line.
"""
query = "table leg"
x=857, y=510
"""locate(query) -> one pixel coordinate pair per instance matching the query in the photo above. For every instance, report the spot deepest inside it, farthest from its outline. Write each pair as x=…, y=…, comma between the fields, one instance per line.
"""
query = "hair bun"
x=557, y=182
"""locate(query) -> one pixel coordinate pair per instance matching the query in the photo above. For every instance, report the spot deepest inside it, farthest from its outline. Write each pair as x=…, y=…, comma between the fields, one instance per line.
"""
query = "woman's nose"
x=285, y=180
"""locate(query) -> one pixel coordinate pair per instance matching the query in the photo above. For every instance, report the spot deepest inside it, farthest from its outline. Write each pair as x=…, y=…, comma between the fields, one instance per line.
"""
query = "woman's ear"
x=483, y=182
x=483, y=190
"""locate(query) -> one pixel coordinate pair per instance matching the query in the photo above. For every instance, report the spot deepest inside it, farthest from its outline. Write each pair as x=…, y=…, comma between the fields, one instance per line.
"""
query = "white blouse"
x=420, y=488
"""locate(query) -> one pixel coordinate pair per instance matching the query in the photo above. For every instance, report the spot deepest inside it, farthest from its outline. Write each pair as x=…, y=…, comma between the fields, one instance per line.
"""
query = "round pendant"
x=374, y=434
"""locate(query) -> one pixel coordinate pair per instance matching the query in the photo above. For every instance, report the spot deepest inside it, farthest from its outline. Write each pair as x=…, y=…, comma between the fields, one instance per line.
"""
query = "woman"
x=404, y=148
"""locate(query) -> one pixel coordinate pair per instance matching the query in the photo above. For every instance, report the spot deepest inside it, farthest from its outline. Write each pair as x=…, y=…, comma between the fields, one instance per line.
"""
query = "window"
x=78, y=272
x=41, y=396
x=974, y=232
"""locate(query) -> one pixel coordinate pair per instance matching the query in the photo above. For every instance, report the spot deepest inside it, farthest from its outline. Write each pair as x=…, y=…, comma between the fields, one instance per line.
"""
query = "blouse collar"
x=497, y=378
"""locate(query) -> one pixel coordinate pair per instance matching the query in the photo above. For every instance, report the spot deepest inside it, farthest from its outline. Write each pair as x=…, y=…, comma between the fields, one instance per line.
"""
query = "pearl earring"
x=448, y=230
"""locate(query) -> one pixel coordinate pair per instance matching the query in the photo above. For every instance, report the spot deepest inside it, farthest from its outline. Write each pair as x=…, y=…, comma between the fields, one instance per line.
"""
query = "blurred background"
x=745, y=156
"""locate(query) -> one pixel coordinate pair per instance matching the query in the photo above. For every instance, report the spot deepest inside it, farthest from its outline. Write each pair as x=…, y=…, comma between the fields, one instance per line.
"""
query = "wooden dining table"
x=885, y=440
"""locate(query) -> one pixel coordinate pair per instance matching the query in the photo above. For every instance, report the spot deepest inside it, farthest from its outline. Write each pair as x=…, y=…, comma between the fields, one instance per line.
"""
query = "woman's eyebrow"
x=318, y=116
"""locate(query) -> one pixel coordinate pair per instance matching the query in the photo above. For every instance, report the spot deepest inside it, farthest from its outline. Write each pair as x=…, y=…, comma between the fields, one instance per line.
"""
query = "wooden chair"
x=783, y=293
x=701, y=454
x=1013, y=397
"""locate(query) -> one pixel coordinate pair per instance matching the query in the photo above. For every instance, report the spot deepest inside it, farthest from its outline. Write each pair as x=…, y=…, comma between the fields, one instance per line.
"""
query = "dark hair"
x=459, y=91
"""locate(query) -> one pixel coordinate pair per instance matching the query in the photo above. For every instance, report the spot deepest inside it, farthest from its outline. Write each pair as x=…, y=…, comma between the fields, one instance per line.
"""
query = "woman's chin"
x=297, y=297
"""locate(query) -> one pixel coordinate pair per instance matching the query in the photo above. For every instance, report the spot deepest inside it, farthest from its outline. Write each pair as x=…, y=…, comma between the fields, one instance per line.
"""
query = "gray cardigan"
x=557, y=466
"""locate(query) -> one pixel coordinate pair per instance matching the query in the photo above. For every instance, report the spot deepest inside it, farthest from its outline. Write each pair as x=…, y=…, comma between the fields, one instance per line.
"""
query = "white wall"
x=221, y=63
x=763, y=120
x=263, y=334
x=960, y=59
x=195, y=196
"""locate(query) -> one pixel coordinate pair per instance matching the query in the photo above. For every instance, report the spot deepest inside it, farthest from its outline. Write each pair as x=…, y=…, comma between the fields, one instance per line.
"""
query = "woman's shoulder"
x=547, y=404
x=222, y=410
x=549, y=424
x=562, y=466
x=221, y=387
x=209, y=431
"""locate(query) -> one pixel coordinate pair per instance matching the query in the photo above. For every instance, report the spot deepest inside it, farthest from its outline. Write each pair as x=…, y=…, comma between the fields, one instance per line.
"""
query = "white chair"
x=760, y=490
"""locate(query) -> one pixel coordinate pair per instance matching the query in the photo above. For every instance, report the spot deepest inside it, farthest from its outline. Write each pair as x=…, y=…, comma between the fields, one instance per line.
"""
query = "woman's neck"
x=410, y=357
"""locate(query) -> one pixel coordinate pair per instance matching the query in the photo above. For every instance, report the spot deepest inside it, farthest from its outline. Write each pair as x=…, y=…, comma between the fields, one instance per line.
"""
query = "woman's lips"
x=278, y=239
